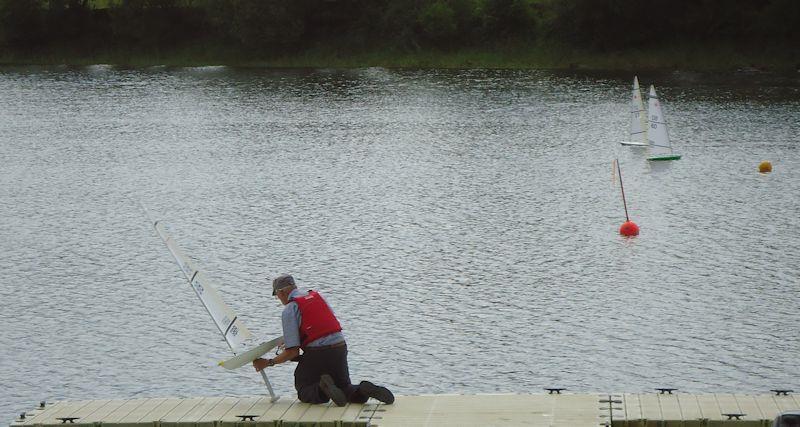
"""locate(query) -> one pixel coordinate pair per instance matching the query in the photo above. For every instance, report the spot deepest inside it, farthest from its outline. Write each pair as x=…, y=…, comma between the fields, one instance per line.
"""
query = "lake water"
x=463, y=225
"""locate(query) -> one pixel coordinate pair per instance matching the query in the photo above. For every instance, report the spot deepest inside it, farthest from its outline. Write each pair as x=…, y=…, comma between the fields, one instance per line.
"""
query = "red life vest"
x=316, y=318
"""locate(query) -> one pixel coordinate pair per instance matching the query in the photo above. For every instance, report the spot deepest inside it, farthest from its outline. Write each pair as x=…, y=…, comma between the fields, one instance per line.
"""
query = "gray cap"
x=282, y=281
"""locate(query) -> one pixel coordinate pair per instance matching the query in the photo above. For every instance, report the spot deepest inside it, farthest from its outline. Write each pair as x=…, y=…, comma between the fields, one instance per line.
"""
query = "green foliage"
x=274, y=27
x=438, y=21
x=509, y=18
x=607, y=23
x=615, y=24
x=72, y=21
x=396, y=22
x=158, y=24
x=264, y=24
x=780, y=20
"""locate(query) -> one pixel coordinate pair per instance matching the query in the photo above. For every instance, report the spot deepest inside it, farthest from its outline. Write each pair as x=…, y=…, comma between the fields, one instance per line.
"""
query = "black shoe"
x=328, y=387
x=377, y=392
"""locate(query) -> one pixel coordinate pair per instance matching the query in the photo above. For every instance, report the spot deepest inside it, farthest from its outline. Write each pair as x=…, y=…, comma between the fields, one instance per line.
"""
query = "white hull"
x=634, y=143
x=249, y=356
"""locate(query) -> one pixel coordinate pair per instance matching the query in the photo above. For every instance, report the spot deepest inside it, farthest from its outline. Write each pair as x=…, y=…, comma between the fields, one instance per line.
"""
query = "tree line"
x=265, y=27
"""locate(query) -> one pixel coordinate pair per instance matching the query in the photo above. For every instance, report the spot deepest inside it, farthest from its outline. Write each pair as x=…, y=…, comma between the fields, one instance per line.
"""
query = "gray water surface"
x=463, y=225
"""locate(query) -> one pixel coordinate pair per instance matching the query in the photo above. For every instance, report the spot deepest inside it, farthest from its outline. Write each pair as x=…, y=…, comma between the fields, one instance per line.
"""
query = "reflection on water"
x=462, y=223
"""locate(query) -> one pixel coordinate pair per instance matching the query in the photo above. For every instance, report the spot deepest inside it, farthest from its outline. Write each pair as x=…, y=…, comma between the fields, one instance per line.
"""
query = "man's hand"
x=260, y=364
x=285, y=355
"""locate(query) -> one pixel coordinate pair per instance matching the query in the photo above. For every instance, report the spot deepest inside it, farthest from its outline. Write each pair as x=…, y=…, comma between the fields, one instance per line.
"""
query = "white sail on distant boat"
x=657, y=135
x=638, y=118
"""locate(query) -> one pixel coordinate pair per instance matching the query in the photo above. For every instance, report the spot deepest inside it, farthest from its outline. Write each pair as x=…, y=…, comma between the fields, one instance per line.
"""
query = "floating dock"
x=664, y=409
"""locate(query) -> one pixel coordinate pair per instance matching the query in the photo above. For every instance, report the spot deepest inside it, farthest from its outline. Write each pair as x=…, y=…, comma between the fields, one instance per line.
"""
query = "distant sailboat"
x=657, y=136
x=638, y=116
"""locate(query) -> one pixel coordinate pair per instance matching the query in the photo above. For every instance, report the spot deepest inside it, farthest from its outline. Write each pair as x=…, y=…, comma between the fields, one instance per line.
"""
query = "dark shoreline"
x=709, y=57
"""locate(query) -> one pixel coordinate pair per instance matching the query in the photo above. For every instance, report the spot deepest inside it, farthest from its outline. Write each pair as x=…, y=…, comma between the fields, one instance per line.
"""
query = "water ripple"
x=462, y=224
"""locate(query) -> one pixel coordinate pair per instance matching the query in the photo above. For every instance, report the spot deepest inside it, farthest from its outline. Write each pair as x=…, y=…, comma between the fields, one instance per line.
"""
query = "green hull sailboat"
x=657, y=135
x=663, y=158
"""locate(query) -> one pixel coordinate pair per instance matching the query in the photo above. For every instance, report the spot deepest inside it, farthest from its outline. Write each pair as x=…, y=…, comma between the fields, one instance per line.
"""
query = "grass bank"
x=699, y=57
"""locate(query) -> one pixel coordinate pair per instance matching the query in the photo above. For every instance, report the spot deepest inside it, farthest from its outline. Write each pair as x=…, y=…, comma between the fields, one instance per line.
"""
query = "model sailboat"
x=657, y=135
x=234, y=332
x=638, y=119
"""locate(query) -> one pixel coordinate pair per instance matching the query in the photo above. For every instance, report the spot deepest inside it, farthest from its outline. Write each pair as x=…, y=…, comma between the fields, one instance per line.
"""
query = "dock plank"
x=242, y=407
x=786, y=403
x=180, y=411
x=67, y=409
x=275, y=411
x=767, y=406
x=671, y=413
x=574, y=410
x=617, y=413
x=406, y=411
x=102, y=413
x=709, y=406
x=127, y=407
x=651, y=408
x=162, y=410
x=295, y=412
x=352, y=413
x=539, y=410
x=322, y=415
x=216, y=412
x=261, y=406
x=457, y=410
x=132, y=418
x=748, y=405
x=728, y=404
x=86, y=410
x=633, y=408
x=347, y=414
x=255, y=406
x=691, y=415
x=197, y=412
x=33, y=417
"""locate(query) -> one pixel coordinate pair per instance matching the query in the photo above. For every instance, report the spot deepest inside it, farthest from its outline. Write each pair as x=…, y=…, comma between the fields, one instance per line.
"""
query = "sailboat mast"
x=622, y=188
x=227, y=322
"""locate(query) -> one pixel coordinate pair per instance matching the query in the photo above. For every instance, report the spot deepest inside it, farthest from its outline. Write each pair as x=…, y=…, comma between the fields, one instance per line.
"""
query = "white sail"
x=227, y=322
x=638, y=115
x=657, y=135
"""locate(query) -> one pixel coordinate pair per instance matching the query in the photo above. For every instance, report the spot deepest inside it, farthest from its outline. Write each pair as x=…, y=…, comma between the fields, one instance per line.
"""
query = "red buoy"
x=629, y=229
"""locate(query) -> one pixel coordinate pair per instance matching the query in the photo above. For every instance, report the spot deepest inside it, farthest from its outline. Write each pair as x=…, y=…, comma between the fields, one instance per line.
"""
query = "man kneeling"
x=322, y=373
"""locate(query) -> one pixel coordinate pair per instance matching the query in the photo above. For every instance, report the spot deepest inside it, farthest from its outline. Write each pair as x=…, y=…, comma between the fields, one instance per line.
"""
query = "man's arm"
x=287, y=354
x=290, y=321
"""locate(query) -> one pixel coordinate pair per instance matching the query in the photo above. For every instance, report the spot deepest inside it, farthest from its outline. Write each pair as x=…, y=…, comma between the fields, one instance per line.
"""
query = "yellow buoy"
x=765, y=167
